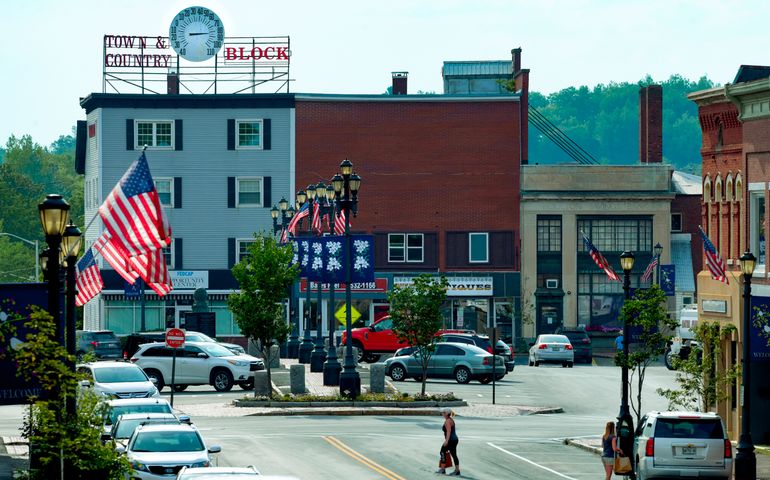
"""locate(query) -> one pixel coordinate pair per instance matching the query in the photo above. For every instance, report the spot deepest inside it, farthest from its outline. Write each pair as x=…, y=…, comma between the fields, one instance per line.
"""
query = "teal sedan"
x=460, y=361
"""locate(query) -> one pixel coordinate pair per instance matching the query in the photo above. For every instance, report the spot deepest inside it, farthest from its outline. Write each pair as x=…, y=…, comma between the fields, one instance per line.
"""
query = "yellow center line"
x=357, y=456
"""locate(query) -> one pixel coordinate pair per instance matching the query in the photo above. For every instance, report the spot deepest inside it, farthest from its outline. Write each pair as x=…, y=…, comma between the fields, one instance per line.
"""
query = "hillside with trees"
x=604, y=121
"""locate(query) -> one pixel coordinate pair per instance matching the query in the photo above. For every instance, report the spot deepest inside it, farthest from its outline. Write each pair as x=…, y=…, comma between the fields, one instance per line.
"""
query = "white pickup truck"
x=684, y=339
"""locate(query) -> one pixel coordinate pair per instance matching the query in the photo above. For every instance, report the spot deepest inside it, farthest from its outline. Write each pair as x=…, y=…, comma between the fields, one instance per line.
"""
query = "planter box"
x=252, y=403
x=453, y=403
x=331, y=404
x=418, y=403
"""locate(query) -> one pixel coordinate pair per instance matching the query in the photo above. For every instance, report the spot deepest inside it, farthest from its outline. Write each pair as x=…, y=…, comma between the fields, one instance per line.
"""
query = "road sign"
x=354, y=314
x=175, y=338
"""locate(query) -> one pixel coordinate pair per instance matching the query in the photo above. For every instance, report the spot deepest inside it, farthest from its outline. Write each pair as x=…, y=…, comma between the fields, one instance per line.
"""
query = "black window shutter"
x=178, y=254
x=266, y=126
x=230, y=252
x=81, y=138
x=230, y=192
x=267, y=194
x=178, y=134
x=177, y=192
x=231, y=134
x=129, y=134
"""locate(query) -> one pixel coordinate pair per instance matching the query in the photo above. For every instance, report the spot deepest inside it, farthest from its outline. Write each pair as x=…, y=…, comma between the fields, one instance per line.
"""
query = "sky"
x=51, y=53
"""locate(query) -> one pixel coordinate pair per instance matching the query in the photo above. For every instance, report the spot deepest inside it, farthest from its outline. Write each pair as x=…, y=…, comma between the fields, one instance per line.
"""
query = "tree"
x=700, y=384
x=645, y=314
x=416, y=313
x=53, y=436
x=264, y=277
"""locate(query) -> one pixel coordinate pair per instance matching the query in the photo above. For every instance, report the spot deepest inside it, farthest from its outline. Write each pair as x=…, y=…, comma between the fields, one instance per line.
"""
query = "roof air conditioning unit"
x=551, y=283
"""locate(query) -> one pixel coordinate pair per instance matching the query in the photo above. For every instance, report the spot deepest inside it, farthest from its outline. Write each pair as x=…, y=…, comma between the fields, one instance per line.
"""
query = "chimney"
x=172, y=82
x=651, y=124
x=399, y=82
x=516, y=52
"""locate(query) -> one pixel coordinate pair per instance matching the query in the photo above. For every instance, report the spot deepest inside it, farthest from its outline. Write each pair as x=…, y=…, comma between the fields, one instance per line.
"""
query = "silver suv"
x=683, y=444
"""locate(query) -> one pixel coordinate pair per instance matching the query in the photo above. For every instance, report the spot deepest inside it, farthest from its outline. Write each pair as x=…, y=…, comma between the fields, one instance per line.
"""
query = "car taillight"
x=125, y=354
x=568, y=347
x=489, y=349
x=95, y=344
x=134, y=359
x=728, y=449
x=542, y=346
x=486, y=361
x=649, y=448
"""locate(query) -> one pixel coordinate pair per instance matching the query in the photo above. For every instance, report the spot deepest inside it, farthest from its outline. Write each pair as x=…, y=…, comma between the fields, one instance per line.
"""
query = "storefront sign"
x=459, y=286
x=714, y=306
x=189, y=279
x=379, y=285
x=760, y=329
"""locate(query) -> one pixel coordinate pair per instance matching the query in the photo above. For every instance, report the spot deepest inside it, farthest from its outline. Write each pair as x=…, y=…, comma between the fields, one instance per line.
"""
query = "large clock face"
x=196, y=34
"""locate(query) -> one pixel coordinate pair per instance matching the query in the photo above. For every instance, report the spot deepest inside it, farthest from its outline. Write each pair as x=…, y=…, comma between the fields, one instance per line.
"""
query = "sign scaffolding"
x=141, y=64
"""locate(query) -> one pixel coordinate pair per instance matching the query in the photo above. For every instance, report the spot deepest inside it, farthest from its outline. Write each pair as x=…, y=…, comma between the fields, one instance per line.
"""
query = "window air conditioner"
x=551, y=283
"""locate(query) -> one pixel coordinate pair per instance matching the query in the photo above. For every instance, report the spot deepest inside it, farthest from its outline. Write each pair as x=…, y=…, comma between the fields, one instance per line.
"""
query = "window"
x=165, y=188
x=242, y=248
x=405, y=247
x=548, y=234
x=249, y=134
x=248, y=192
x=478, y=247
x=616, y=234
x=154, y=134
x=676, y=222
x=758, y=225
x=169, y=257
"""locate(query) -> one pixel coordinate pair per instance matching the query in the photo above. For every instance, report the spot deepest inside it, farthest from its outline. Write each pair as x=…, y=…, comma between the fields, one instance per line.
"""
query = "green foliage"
x=646, y=311
x=364, y=397
x=264, y=277
x=700, y=384
x=416, y=313
x=53, y=436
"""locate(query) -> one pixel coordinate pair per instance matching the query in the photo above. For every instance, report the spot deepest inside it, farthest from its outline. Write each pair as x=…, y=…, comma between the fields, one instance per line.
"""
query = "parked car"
x=198, y=363
x=223, y=473
x=581, y=343
x=104, y=343
x=683, y=342
x=682, y=444
x=551, y=348
x=161, y=451
x=460, y=361
x=133, y=341
x=126, y=424
x=374, y=340
x=483, y=342
x=117, y=380
x=123, y=406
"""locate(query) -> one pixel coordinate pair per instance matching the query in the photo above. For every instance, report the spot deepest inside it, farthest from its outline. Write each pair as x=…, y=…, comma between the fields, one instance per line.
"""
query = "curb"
x=349, y=412
x=583, y=446
x=282, y=405
x=545, y=410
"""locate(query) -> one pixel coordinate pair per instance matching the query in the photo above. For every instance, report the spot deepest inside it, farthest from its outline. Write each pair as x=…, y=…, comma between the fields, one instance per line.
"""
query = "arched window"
x=720, y=139
x=718, y=198
x=729, y=193
x=707, y=190
x=738, y=188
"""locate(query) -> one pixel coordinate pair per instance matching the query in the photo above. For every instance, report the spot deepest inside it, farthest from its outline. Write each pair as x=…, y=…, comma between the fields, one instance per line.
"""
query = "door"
x=190, y=368
x=179, y=313
x=549, y=317
x=380, y=337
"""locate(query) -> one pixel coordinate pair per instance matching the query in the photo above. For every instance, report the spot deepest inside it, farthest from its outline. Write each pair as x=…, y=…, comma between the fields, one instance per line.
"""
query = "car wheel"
x=499, y=377
x=462, y=374
x=668, y=359
x=570, y=364
x=222, y=380
x=563, y=364
x=247, y=385
x=361, y=352
x=397, y=373
x=180, y=388
x=154, y=374
x=485, y=380
x=418, y=378
x=590, y=360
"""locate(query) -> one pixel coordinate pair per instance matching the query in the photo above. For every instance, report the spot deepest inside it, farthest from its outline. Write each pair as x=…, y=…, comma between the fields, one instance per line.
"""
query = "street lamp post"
x=318, y=356
x=745, y=458
x=295, y=315
x=332, y=366
x=279, y=229
x=625, y=421
x=70, y=248
x=36, y=244
x=657, y=250
x=54, y=213
x=306, y=348
x=350, y=381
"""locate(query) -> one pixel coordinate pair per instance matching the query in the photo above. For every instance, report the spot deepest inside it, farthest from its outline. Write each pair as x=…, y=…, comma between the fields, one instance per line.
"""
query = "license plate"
x=556, y=349
x=688, y=450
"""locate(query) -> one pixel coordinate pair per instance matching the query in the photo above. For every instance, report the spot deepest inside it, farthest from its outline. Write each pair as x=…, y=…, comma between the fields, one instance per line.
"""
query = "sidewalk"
x=594, y=445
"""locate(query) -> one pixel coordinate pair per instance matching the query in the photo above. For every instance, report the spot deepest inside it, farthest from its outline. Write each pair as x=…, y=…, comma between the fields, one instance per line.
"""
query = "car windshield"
x=116, y=375
x=104, y=336
x=197, y=337
x=217, y=350
x=176, y=441
x=117, y=411
x=124, y=428
x=710, y=428
x=553, y=339
x=575, y=335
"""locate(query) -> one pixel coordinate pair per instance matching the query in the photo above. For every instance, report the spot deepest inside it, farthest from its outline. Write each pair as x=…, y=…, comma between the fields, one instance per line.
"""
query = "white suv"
x=683, y=444
x=197, y=363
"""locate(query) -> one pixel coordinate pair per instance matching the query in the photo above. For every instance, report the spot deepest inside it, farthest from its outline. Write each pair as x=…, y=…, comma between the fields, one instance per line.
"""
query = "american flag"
x=89, y=281
x=301, y=213
x=116, y=256
x=317, y=216
x=650, y=268
x=284, y=236
x=132, y=212
x=714, y=262
x=153, y=270
x=339, y=223
x=599, y=259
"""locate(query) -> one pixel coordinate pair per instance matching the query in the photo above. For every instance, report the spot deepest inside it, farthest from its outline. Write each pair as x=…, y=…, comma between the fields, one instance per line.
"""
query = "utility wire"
x=558, y=137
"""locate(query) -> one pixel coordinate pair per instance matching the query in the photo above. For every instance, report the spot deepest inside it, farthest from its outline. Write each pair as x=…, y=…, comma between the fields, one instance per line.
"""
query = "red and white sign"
x=175, y=338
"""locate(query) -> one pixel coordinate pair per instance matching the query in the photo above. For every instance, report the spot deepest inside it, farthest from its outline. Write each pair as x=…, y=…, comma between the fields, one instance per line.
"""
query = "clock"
x=196, y=34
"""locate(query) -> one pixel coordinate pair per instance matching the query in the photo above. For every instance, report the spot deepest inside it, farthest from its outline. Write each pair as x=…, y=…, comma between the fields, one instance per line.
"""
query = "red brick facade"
x=689, y=206
x=428, y=165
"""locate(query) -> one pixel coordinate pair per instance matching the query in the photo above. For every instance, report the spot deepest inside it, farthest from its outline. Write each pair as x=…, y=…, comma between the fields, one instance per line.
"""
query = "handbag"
x=445, y=459
x=622, y=465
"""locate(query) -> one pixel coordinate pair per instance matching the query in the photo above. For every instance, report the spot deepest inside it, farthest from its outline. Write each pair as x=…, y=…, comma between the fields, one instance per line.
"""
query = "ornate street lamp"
x=657, y=250
x=71, y=241
x=293, y=345
x=306, y=348
x=745, y=458
x=625, y=430
x=350, y=381
x=318, y=356
x=54, y=213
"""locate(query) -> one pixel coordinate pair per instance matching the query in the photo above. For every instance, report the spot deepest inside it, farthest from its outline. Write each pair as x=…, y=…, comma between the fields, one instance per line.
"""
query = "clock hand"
x=199, y=33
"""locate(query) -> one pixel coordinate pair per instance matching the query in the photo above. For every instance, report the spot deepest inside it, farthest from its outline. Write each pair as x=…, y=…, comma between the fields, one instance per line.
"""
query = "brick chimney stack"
x=651, y=124
x=399, y=82
x=516, y=52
